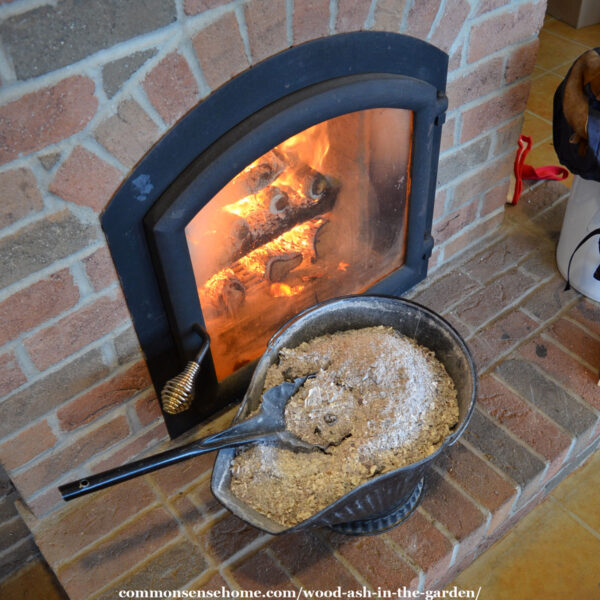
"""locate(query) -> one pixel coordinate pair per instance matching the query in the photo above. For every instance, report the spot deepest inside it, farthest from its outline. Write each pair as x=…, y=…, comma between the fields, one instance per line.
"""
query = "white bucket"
x=581, y=218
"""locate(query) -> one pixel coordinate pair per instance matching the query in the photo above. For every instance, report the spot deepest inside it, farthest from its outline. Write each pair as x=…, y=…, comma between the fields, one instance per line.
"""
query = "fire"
x=342, y=266
x=283, y=290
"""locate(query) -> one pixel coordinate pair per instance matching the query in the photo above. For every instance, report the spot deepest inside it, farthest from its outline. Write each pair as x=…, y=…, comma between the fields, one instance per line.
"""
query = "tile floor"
x=554, y=552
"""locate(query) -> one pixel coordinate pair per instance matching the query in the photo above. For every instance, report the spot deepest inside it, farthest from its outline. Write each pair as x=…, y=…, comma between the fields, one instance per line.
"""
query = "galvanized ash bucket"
x=387, y=499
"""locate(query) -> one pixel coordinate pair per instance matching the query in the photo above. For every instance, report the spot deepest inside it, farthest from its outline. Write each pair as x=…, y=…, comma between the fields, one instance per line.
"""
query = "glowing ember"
x=283, y=290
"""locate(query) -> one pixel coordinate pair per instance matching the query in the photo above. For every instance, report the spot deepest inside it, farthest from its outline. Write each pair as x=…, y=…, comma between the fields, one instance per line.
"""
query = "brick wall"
x=87, y=88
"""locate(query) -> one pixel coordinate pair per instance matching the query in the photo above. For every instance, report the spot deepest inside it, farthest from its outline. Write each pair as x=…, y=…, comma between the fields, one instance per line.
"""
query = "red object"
x=523, y=171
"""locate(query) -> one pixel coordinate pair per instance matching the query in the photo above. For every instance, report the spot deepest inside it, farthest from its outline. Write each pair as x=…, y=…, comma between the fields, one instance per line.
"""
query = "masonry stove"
x=310, y=176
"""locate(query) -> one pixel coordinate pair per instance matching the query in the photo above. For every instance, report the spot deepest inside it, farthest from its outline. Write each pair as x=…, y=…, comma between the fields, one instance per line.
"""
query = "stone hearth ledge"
x=537, y=419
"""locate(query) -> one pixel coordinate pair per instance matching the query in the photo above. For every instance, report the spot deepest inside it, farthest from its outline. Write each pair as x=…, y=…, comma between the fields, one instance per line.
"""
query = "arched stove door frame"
x=145, y=222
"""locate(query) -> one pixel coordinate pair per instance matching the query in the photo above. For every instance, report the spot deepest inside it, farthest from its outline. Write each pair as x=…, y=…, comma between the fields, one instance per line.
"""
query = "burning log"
x=279, y=267
x=277, y=209
x=313, y=184
x=226, y=291
x=258, y=175
x=278, y=200
x=223, y=293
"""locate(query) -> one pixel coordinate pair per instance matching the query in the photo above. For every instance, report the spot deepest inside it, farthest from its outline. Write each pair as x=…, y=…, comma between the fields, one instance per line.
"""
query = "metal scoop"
x=267, y=424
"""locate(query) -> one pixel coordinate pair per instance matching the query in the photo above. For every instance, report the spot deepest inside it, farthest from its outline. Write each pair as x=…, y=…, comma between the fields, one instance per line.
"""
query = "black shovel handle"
x=242, y=433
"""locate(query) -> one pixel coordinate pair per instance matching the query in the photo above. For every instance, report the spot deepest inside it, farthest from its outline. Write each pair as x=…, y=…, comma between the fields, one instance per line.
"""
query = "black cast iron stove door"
x=145, y=221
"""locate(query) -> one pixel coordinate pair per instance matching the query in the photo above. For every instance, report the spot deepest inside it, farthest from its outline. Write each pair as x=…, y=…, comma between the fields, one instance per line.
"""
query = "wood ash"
x=378, y=402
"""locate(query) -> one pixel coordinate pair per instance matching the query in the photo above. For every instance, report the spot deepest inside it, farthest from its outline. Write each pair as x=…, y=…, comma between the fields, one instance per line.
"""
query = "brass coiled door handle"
x=178, y=393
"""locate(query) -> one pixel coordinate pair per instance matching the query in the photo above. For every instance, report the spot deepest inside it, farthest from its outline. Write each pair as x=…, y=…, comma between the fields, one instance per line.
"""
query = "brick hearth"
x=537, y=418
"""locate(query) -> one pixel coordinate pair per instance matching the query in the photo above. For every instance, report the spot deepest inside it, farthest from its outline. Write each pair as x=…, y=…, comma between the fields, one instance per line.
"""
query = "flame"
x=283, y=290
x=305, y=149
x=309, y=146
x=342, y=266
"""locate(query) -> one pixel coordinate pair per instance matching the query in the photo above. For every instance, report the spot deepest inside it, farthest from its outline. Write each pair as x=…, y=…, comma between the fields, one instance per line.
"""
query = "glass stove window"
x=321, y=215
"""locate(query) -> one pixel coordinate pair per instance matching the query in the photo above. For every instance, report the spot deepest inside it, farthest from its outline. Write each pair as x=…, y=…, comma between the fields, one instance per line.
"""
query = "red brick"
x=128, y=134
x=576, y=340
x=500, y=108
x=389, y=15
x=455, y=60
x=45, y=502
x=377, y=562
x=587, y=313
x=95, y=189
x=559, y=365
x=507, y=137
x=420, y=18
x=36, y=304
x=480, y=481
x=203, y=498
x=499, y=337
x=494, y=298
x=194, y=7
x=534, y=428
x=266, y=23
x=476, y=83
x=147, y=408
x=454, y=222
x=502, y=30
x=100, y=269
x=49, y=391
x=11, y=375
x=435, y=259
x=448, y=134
x=439, y=208
x=485, y=6
x=213, y=582
x=471, y=235
x=449, y=26
x=88, y=324
x=103, y=397
x=46, y=116
x=310, y=20
x=521, y=61
x=188, y=513
x=456, y=512
x=176, y=477
x=27, y=445
x=495, y=198
x=451, y=508
x=171, y=87
x=351, y=15
x=85, y=521
x=310, y=561
x=131, y=450
x=444, y=292
x=115, y=556
x=481, y=181
x=261, y=572
x=430, y=549
x=220, y=62
x=70, y=455
x=20, y=195
x=227, y=537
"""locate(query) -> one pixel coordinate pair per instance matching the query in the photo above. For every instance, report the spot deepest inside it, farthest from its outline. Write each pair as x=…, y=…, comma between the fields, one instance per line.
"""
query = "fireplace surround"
x=392, y=86
x=76, y=394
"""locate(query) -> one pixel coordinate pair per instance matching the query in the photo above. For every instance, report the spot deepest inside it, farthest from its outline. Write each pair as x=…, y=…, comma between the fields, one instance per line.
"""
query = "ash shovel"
x=267, y=424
